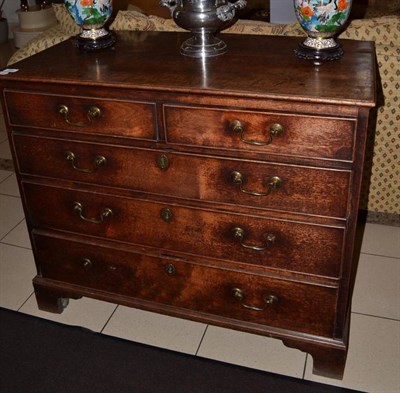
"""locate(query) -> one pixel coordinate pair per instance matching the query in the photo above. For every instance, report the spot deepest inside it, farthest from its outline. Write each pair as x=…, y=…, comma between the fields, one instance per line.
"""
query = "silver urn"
x=204, y=18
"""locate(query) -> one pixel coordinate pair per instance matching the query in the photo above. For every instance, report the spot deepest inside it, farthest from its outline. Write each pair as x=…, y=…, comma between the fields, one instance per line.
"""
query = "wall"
x=282, y=11
x=9, y=12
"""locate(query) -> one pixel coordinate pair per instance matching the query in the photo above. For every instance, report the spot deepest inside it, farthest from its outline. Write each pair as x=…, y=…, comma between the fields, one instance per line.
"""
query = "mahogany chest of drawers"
x=224, y=190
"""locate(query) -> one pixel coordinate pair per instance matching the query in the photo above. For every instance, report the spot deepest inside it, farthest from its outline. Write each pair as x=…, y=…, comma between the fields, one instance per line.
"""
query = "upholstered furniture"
x=380, y=194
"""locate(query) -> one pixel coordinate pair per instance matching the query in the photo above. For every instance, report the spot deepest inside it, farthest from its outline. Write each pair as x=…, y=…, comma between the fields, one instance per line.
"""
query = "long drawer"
x=255, y=240
x=269, y=133
x=82, y=114
x=241, y=182
x=245, y=297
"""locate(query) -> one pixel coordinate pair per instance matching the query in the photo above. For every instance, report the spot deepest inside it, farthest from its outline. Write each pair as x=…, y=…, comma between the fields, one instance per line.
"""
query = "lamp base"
x=93, y=44
x=319, y=56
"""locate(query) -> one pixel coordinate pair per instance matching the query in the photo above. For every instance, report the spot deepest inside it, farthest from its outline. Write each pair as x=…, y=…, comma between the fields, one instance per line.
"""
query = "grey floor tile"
x=373, y=361
x=381, y=240
x=252, y=351
x=10, y=186
x=5, y=151
x=17, y=268
x=11, y=214
x=155, y=329
x=3, y=134
x=18, y=236
x=88, y=313
x=4, y=175
x=377, y=287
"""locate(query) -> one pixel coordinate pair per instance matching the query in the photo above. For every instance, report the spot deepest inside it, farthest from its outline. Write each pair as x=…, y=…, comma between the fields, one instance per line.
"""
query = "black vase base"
x=89, y=45
x=198, y=47
x=319, y=56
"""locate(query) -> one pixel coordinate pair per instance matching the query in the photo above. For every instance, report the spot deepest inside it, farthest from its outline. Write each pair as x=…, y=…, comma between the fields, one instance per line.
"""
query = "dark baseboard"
x=382, y=218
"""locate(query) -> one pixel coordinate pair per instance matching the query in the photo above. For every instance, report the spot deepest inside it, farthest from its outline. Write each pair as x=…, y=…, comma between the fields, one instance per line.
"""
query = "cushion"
x=383, y=30
x=264, y=28
x=381, y=192
x=134, y=20
x=50, y=37
x=65, y=20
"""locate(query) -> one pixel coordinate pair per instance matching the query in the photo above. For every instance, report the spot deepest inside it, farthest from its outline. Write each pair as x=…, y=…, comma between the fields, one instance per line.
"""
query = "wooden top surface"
x=254, y=66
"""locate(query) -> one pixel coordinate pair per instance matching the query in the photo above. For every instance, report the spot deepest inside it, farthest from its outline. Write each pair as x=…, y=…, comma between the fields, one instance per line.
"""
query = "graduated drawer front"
x=295, y=306
x=300, y=247
x=123, y=118
x=302, y=189
x=302, y=136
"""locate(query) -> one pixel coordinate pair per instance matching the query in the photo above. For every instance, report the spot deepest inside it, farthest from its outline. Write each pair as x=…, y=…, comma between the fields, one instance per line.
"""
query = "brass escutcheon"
x=87, y=263
x=170, y=269
x=166, y=214
x=162, y=161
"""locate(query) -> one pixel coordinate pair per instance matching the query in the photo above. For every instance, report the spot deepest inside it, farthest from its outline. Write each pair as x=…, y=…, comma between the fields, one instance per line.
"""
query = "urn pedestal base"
x=90, y=44
x=203, y=45
x=319, y=56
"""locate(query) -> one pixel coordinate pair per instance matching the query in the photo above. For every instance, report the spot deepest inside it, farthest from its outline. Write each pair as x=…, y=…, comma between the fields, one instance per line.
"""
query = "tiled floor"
x=373, y=363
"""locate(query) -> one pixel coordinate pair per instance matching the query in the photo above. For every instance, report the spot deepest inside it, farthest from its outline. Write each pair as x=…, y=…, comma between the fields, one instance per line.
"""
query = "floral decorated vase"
x=91, y=16
x=322, y=20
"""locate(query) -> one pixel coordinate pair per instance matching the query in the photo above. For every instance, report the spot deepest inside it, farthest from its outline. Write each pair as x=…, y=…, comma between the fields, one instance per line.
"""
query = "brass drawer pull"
x=268, y=300
x=238, y=127
x=92, y=113
x=238, y=179
x=97, y=162
x=240, y=234
x=106, y=213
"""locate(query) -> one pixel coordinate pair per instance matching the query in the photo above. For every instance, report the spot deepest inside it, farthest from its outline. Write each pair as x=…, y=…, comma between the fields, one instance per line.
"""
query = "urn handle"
x=227, y=12
x=171, y=4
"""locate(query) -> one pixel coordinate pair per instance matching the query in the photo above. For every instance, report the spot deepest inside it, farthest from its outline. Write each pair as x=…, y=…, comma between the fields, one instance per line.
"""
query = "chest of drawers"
x=223, y=190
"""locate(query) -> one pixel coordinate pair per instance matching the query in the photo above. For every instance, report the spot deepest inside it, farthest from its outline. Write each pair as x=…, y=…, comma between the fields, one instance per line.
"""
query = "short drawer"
x=249, y=240
x=82, y=114
x=270, y=133
x=246, y=297
x=241, y=182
